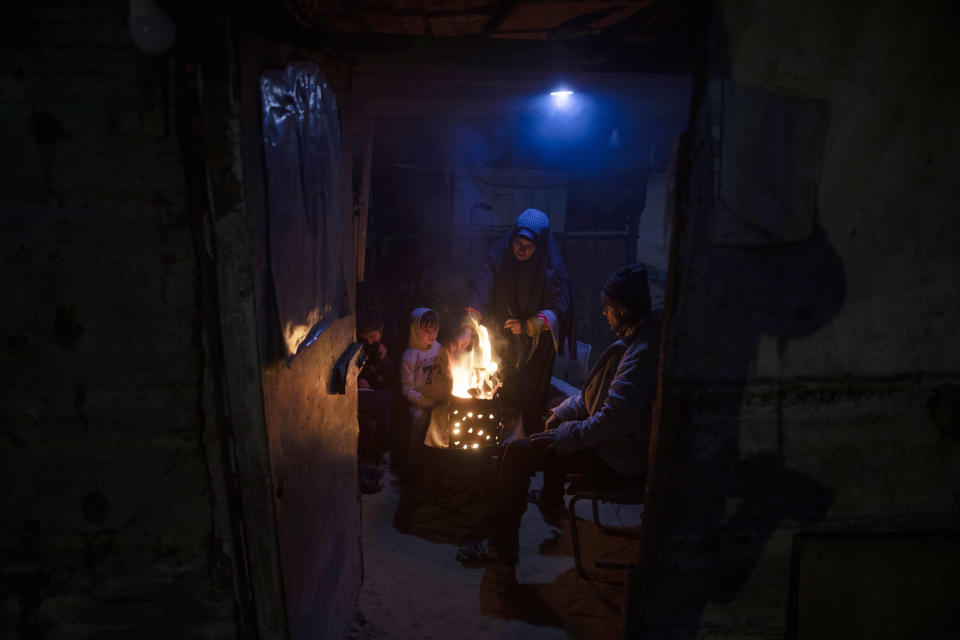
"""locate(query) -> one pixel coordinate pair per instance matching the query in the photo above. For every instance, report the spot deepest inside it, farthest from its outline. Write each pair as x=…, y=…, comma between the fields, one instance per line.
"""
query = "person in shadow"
x=375, y=383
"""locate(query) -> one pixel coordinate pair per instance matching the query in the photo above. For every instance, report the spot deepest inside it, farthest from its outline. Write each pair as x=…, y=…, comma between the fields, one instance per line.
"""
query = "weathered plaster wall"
x=313, y=455
x=887, y=194
x=811, y=386
x=107, y=516
x=312, y=433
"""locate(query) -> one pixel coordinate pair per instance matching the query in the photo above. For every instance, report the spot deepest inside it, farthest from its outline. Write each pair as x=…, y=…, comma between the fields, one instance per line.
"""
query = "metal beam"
x=500, y=15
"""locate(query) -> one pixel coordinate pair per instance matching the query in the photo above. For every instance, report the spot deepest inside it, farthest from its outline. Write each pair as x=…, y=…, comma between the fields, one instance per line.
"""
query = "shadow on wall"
x=722, y=505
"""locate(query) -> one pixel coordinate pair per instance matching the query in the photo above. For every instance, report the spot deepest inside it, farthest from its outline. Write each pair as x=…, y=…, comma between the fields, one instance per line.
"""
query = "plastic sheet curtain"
x=301, y=144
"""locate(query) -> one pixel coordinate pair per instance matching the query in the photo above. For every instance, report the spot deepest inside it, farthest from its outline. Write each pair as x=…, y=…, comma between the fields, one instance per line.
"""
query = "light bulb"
x=150, y=28
x=561, y=98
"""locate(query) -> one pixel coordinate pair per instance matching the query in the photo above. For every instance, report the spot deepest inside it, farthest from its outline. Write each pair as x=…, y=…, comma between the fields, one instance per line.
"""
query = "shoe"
x=369, y=482
x=552, y=512
x=370, y=487
x=483, y=554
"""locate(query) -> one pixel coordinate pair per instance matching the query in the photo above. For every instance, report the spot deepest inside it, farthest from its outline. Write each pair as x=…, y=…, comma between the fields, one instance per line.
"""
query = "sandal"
x=483, y=554
x=369, y=487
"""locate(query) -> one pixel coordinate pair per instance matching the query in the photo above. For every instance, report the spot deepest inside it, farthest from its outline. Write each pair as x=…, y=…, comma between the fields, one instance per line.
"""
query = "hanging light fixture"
x=151, y=30
x=561, y=98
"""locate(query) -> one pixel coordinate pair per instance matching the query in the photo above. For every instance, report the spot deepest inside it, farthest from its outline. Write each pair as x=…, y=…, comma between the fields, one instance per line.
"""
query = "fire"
x=475, y=371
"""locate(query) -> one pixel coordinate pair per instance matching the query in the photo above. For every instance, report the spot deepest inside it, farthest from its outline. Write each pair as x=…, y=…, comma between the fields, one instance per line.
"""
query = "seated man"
x=603, y=432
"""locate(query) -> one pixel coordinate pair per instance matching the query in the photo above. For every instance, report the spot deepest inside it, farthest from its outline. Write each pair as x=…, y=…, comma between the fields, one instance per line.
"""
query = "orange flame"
x=475, y=371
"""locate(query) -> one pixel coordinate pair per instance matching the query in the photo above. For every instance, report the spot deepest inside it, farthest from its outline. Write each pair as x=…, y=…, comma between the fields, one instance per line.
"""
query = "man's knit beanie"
x=531, y=224
x=628, y=287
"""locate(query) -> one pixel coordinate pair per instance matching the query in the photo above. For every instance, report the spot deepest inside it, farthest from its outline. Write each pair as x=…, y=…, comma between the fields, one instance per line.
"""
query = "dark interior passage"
x=178, y=407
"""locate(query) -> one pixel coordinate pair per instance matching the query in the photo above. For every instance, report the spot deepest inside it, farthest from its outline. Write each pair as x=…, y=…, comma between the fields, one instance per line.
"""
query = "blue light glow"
x=558, y=116
x=561, y=98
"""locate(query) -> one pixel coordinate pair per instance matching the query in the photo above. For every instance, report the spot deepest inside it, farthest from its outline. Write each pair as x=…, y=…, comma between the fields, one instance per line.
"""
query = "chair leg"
x=493, y=473
x=610, y=531
x=574, y=533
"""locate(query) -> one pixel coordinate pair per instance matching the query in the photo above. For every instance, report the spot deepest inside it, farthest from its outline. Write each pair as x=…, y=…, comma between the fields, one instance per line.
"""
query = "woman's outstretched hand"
x=462, y=341
x=515, y=326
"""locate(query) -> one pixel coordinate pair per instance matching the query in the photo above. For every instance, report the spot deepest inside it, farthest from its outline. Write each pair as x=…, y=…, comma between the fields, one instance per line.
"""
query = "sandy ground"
x=413, y=587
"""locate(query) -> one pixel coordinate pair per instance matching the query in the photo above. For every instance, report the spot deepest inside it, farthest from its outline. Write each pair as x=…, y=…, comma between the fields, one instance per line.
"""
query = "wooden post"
x=223, y=112
x=364, y=200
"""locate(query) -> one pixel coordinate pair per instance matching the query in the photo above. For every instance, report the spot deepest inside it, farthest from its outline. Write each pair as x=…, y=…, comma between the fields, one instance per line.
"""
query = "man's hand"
x=515, y=326
x=543, y=441
x=462, y=341
x=553, y=421
x=382, y=349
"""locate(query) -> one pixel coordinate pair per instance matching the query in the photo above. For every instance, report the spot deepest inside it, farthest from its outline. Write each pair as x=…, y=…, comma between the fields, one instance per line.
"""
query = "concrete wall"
x=107, y=526
x=812, y=385
x=653, y=232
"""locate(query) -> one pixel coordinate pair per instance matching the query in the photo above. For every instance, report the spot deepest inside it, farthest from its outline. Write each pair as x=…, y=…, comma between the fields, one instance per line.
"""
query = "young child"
x=374, y=399
x=379, y=372
x=424, y=377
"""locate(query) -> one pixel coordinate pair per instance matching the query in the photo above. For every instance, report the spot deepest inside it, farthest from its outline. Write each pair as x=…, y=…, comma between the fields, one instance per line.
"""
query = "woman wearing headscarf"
x=522, y=288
